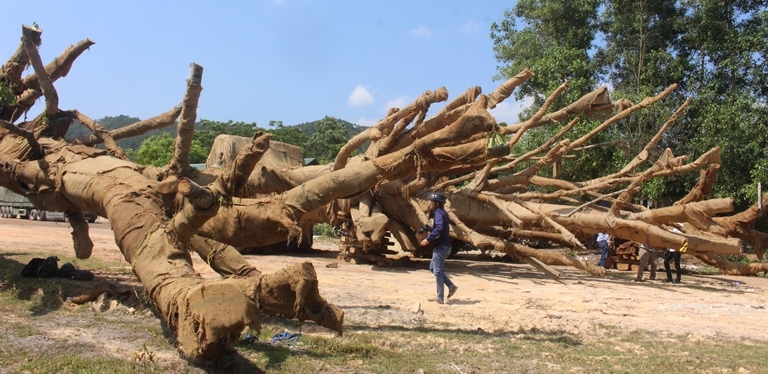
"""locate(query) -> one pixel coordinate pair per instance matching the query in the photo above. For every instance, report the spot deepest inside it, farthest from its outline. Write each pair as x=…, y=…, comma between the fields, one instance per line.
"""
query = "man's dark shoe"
x=639, y=280
x=677, y=282
x=436, y=300
x=452, y=291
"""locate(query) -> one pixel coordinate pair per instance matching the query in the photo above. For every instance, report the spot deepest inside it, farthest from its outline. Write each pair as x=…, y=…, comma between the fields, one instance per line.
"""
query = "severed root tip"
x=213, y=315
x=293, y=292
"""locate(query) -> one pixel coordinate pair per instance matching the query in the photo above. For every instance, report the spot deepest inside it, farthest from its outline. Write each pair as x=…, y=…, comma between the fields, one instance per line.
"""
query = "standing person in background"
x=604, y=243
x=673, y=255
x=647, y=255
x=440, y=236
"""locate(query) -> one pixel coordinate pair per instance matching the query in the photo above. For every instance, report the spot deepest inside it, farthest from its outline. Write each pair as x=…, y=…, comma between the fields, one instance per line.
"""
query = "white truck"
x=13, y=205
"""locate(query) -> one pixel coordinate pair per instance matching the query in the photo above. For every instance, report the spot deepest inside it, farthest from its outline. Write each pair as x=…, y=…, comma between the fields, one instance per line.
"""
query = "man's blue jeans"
x=604, y=252
x=439, y=255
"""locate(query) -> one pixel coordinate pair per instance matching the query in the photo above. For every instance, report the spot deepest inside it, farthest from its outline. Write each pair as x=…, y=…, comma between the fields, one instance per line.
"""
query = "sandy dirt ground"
x=492, y=296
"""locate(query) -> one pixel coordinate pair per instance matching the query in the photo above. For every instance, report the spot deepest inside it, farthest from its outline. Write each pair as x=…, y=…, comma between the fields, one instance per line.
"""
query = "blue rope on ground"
x=284, y=337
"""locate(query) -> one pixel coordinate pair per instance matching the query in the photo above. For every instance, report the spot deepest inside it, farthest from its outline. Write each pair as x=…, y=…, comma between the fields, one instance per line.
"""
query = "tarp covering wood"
x=226, y=147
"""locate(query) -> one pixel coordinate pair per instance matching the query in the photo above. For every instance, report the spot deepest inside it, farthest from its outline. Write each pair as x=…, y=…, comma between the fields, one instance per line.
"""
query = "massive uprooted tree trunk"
x=159, y=215
x=154, y=222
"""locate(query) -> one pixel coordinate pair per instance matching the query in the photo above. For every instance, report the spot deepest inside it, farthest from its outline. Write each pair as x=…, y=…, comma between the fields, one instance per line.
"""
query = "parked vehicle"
x=13, y=205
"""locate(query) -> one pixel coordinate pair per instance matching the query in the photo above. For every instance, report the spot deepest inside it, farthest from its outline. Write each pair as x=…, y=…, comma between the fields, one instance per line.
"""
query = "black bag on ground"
x=71, y=272
x=41, y=267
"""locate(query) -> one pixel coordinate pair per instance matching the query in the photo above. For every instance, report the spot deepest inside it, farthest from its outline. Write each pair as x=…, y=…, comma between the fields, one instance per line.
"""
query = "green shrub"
x=323, y=229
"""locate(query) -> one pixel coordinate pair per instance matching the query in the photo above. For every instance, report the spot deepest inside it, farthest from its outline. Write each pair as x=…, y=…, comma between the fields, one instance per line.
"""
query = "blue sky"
x=288, y=60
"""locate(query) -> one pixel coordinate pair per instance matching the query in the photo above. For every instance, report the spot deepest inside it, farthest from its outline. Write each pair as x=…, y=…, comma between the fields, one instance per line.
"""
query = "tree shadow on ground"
x=689, y=281
x=231, y=363
x=503, y=271
x=276, y=354
x=533, y=333
x=49, y=294
x=497, y=271
x=44, y=293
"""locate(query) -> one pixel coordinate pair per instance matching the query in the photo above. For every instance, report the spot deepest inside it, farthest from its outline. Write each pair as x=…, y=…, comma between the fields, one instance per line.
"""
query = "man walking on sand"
x=440, y=236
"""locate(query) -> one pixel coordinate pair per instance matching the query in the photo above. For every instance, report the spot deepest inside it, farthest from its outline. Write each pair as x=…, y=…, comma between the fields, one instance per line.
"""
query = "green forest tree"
x=555, y=39
x=714, y=50
x=552, y=38
x=157, y=150
x=206, y=131
x=288, y=134
x=327, y=137
x=325, y=143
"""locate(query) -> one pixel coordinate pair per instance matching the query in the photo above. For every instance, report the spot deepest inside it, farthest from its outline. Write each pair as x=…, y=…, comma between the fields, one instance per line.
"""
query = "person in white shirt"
x=604, y=243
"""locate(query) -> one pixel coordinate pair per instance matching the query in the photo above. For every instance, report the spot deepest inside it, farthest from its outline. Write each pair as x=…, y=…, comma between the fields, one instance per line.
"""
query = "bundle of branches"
x=493, y=213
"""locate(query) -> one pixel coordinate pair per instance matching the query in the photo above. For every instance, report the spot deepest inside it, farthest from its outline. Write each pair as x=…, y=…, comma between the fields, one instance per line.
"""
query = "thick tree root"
x=212, y=316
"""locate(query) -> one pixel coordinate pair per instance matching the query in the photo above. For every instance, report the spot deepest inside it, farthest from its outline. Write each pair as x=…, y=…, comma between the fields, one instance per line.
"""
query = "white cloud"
x=508, y=112
x=399, y=103
x=471, y=28
x=422, y=31
x=367, y=122
x=360, y=96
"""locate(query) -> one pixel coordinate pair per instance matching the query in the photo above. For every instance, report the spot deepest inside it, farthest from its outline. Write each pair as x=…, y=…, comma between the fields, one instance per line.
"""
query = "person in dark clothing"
x=673, y=255
x=440, y=237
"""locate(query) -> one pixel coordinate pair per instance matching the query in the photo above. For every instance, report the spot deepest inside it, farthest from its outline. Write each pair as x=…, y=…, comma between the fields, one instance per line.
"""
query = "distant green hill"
x=309, y=128
x=110, y=123
x=77, y=130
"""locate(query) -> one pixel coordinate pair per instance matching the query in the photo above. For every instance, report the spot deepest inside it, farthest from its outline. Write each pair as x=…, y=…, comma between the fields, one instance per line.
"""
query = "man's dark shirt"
x=440, y=234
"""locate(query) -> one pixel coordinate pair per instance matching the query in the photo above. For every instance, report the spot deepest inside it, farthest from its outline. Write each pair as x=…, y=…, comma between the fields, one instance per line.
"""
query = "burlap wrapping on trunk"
x=226, y=147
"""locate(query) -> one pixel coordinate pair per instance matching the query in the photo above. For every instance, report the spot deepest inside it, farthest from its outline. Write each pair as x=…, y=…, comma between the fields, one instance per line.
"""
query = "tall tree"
x=157, y=150
x=714, y=50
x=326, y=142
x=206, y=130
x=641, y=53
x=552, y=38
x=727, y=42
x=557, y=40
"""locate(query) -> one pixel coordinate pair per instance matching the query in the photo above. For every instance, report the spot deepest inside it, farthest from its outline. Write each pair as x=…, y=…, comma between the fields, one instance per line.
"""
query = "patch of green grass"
x=38, y=297
x=393, y=350
x=41, y=295
x=75, y=363
x=70, y=358
x=94, y=264
x=323, y=229
x=32, y=343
